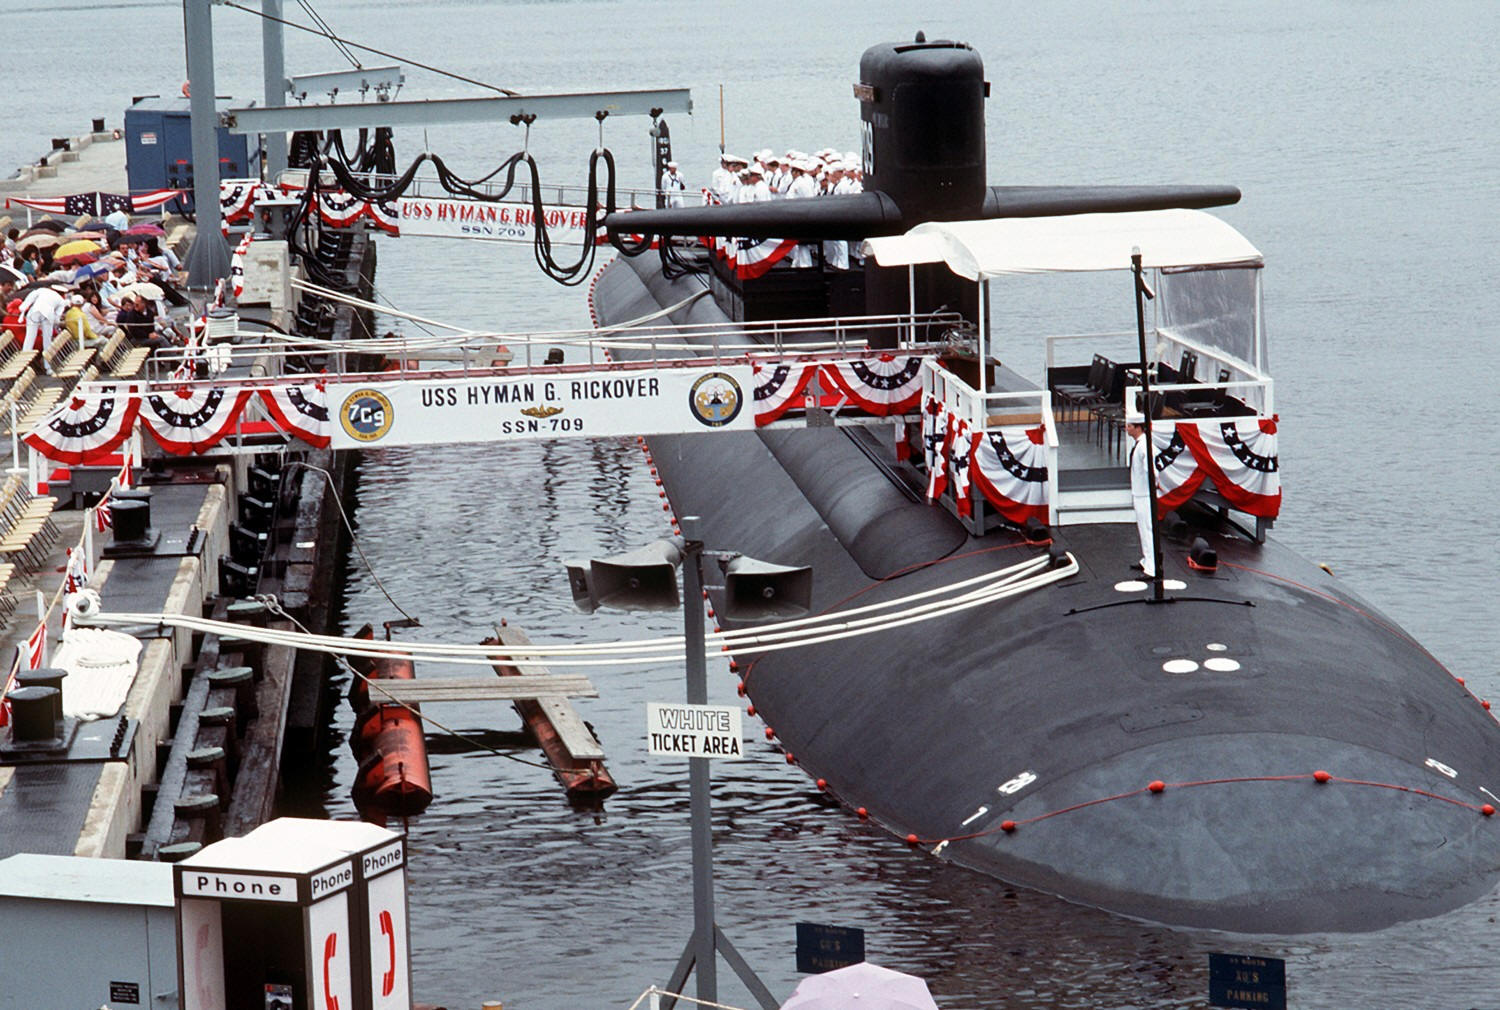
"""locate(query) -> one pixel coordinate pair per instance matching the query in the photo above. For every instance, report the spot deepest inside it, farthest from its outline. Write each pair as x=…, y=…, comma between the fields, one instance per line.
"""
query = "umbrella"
x=38, y=240
x=78, y=236
x=11, y=274
x=49, y=224
x=146, y=228
x=88, y=271
x=75, y=254
x=74, y=246
x=127, y=239
x=862, y=986
x=143, y=289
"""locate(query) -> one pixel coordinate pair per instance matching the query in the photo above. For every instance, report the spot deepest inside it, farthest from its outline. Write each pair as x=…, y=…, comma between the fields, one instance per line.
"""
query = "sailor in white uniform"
x=673, y=185
x=1140, y=488
x=726, y=177
x=753, y=188
x=836, y=253
x=800, y=188
x=43, y=310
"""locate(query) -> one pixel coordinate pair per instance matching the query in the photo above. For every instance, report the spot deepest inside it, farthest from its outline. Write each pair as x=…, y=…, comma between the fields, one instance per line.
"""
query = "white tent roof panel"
x=982, y=249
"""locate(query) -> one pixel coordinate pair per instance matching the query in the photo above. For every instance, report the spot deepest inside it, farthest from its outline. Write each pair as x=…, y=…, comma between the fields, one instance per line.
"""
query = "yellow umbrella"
x=75, y=247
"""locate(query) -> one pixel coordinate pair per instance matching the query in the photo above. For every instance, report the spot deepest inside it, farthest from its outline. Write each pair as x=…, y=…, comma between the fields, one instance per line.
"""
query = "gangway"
x=259, y=392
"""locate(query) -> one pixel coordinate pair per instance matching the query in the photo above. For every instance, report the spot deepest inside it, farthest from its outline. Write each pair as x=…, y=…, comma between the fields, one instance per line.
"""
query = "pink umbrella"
x=863, y=986
x=145, y=228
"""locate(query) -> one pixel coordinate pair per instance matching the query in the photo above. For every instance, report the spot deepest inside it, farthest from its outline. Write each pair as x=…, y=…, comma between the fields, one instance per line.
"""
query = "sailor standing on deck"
x=673, y=185
x=1140, y=488
x=724, y=182
x=801, y=187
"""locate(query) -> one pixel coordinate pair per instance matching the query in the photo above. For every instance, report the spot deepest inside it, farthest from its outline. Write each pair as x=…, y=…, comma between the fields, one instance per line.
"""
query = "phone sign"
x=389, y=957
x=332, y=981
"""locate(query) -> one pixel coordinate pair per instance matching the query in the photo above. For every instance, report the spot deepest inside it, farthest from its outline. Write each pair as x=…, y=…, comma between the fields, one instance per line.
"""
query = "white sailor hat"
x=764, y=153
x=735, y=159
x=671, y=164
x=852, y=157
x=1133, y=415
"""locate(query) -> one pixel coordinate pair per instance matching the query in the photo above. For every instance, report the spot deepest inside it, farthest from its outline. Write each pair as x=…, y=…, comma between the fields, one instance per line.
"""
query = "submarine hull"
x=1315, y=769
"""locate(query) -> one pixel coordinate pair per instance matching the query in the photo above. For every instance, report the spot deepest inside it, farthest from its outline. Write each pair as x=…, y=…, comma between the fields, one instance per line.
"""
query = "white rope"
x=768, y=638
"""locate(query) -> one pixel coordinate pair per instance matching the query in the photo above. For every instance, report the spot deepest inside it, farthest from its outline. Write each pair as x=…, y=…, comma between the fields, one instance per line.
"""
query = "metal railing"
x=982, y=411
x=275, y=356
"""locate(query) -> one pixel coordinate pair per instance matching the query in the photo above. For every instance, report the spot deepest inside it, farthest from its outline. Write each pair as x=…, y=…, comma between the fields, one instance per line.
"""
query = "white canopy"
x=982, y=249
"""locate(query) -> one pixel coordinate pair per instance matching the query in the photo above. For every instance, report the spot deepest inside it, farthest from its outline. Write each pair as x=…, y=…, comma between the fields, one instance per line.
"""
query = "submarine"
x=1240, y=743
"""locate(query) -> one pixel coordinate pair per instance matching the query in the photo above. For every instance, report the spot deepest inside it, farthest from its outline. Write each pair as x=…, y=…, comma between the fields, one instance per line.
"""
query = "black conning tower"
x=922, y=106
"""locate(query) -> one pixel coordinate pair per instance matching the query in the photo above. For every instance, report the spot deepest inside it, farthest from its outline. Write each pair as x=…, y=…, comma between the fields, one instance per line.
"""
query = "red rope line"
x=1334, y=599
x=1322, y=778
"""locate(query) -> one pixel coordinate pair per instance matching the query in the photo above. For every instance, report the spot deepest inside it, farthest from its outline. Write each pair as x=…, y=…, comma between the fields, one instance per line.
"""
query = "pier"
x=206, y=721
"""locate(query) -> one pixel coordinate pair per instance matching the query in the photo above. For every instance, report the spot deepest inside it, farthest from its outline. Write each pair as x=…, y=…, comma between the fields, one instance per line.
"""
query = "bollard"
x=214, y=761
x=177, y=851
x=45, y=677
x=216, y=729
x=241, y=680
x=31, y=715
x=202, y=808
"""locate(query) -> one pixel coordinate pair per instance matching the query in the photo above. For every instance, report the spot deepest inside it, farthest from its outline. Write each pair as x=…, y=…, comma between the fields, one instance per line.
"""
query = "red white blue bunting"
x=302, y=411
x=86, y=427
x=939, y=449
x=1178, y=475
x=959, y=456
x=238, y=197
x=190, y=420
x=1009, y=467
x=1240, y=458
x=385, y=214
x=340, y=209
x=237, y=264
x=883, y=385
x=779, y=388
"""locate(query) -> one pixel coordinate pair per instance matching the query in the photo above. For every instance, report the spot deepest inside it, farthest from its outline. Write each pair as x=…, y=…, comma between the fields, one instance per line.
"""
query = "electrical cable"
x=353, y=537
x=769, y=638
x=371, y=49
x=328, y=30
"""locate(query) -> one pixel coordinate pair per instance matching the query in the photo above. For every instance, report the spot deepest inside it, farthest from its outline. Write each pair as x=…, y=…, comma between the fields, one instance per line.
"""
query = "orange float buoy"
x=394, y=779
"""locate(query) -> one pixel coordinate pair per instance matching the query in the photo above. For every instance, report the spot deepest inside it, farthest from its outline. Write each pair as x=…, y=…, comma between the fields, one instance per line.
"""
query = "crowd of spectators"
x=88, y=279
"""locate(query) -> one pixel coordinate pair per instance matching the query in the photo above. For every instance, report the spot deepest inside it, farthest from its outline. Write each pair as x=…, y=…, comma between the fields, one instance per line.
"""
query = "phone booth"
x=378, y=901
x=281, y=919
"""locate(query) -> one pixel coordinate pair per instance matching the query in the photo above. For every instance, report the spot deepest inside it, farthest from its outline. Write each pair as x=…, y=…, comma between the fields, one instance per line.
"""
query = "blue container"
x=159, y=148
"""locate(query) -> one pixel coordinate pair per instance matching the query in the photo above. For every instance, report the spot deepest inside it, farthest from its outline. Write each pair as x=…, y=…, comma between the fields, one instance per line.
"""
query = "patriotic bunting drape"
x=1240, y=458
x=779, y=388
x=237, y=264
x=301, y=410
x=87, y=426
x=882, y=385
x=98, y=203
x=1009, y=467
x=191, y=420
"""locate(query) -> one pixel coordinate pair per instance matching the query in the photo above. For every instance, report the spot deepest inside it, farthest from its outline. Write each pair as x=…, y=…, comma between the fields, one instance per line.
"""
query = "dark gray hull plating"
x=1063, y=690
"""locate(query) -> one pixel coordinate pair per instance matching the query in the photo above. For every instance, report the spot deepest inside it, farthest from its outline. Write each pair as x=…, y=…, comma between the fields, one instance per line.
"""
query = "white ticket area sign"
x=701, y=731
x=497, y=408
x=497, y=222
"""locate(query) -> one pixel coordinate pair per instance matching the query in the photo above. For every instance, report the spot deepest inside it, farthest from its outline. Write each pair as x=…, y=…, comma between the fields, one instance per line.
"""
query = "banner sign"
x=1240, y=980
x=583, y=404
x=500, y=222
x=694, y=731
x=823, y=948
